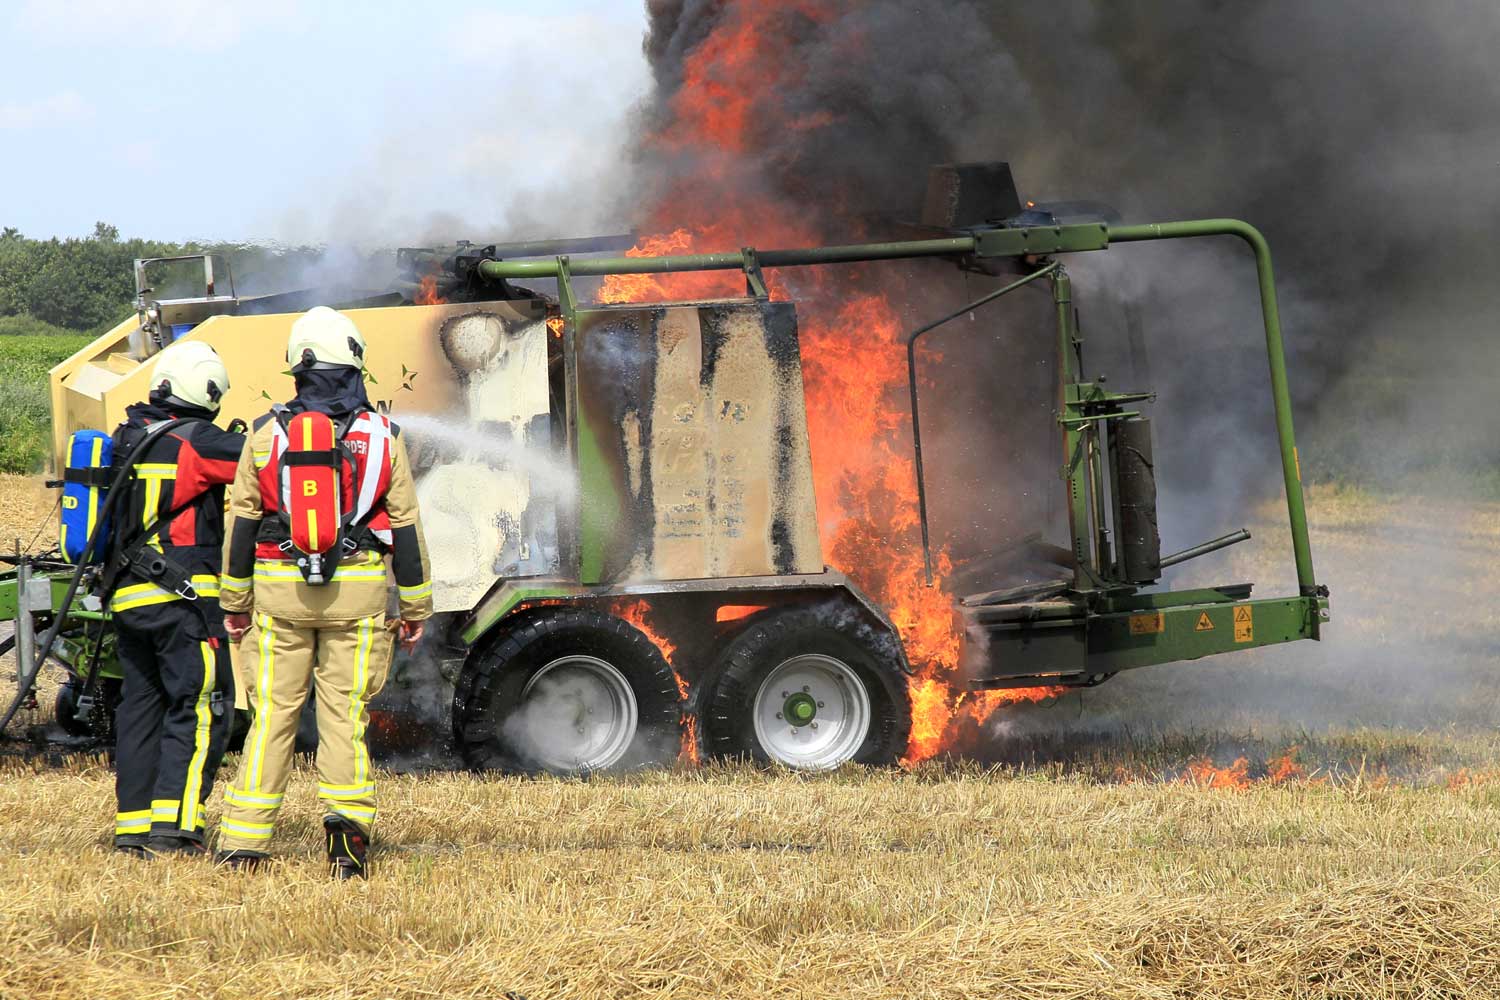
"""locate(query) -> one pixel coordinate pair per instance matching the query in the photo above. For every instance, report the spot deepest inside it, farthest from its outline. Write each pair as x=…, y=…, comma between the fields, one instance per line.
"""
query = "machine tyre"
x=100, y=723
x=597, y=662
x=833, y=652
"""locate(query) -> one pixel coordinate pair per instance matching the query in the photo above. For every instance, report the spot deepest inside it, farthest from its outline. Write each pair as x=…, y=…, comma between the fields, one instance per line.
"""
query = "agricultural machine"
x=577, y=462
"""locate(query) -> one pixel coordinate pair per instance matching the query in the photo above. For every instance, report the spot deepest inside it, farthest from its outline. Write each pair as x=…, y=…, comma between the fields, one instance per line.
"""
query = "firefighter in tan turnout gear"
x=323, y=493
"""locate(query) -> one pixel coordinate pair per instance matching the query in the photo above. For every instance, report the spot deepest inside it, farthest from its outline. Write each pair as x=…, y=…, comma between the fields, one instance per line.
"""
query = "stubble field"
x=1316, y=821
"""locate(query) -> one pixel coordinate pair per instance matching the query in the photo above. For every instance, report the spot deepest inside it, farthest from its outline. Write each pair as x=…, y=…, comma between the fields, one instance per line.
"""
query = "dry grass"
x=734, y=883
x=1085, y=867
x=25, y=506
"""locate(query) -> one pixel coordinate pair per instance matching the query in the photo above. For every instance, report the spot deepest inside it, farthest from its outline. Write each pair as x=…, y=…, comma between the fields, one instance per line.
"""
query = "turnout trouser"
x=346, y=661
x=173, y=719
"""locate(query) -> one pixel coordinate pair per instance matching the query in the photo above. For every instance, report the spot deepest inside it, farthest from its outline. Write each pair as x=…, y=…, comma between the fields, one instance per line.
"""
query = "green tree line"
x=88, y=284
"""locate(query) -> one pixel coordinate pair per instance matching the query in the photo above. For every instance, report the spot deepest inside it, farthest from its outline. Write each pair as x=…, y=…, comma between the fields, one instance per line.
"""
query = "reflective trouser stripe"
x=255, y=765
x=165, y=810
x=247, y=830
x=361, y=791
x=363, y=815
x=137, y=821
x=357, y=697
x=250, y=800
x=193, y=790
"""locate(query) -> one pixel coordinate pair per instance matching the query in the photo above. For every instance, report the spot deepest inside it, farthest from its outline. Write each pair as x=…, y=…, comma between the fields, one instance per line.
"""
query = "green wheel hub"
x=800, y=709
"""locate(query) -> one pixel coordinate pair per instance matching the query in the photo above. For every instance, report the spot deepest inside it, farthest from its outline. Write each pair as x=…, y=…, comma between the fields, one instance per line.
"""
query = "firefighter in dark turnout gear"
x=163, y=589
x=332, y=630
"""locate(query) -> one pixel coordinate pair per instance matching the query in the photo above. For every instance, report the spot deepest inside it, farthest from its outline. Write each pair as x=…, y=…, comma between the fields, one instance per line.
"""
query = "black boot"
x=240, y=861
x=134, y=850
x=169, y=846
x=347, y=848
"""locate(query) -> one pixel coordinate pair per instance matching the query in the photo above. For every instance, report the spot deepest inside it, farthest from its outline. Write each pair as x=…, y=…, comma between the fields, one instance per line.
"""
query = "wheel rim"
x=812, y=712
x=577, y=713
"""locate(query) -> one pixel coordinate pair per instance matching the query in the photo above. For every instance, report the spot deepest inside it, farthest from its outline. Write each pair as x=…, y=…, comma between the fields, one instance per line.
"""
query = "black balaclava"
x=162, y=407
x=337, y=392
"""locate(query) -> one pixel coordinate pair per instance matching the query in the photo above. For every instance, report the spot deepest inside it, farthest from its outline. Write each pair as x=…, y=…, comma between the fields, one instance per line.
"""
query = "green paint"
x=800, y=709
x=600, y=507
x=1281, y=396
x=507, y=598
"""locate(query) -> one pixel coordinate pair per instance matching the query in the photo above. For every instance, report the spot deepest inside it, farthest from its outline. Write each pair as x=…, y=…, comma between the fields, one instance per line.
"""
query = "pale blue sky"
x=307, y=121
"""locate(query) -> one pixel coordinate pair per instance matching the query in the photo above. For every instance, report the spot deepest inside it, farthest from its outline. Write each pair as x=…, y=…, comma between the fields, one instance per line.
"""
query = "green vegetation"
x=88, y=285
x=26, y=414
x=56, y=295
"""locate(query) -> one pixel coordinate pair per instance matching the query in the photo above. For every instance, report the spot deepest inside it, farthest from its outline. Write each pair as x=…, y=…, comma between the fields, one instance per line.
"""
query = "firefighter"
x=163, y=581
x=334, y=632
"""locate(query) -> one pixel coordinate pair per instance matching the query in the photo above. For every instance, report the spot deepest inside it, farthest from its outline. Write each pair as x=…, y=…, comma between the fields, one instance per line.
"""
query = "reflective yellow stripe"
x=164, y=810
x=192, y=790
x=234, y=797
x=346, y=791
x=139, y=595
x=357, y=698
x=366, y=813
x=138, y=821
x=416, y=593
x=153, y=501
x=263, y=706
x=260, y=458
x=95, y=458
x=250, y=831
x=271, y=572
x=235, y=583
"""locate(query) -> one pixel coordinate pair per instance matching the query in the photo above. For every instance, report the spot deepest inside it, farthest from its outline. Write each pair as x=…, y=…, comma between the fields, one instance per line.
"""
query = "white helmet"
x=324, y=338
x=189, y=373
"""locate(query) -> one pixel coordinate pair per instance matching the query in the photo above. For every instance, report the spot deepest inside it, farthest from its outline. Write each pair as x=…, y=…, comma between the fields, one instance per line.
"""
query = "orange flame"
x=427, y=292
x=1204, y=774
x=637, y=611
x=853, y=358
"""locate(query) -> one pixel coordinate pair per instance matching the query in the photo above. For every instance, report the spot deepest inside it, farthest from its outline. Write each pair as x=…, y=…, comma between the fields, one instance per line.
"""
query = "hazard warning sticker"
x=1205, y=623
x=1152, y=623
x=1244, y=624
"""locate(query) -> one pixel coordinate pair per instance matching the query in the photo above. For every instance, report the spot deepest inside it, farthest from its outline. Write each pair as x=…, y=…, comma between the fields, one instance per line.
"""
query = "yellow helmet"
x=324, y=338
x=190, y=373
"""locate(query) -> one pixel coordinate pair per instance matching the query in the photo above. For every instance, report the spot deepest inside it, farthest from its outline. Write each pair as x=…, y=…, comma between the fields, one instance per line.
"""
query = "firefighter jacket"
x=380, y=491
x=177, y=497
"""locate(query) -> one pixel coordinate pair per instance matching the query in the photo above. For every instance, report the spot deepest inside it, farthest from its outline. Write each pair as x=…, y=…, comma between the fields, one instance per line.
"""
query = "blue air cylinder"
x=85, y=484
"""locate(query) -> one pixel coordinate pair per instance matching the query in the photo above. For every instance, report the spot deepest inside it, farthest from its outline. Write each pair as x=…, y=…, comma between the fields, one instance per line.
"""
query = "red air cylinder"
x=313, y=466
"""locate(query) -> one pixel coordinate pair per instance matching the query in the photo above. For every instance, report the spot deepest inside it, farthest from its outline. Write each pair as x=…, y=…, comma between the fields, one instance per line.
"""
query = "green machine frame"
x=1107, y=624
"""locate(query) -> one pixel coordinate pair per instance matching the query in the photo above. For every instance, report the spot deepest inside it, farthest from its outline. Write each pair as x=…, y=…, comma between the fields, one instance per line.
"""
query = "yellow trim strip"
x=268, y=800
x=265, y=574
x=250, y=831
x=263, y=709
x=417, y=592
x=96, y=456
x=139, y=595
x=192, y=790
x=346, y=792
x=357, y=699
x=366, y=813
x=234, y=583
x=139, y=826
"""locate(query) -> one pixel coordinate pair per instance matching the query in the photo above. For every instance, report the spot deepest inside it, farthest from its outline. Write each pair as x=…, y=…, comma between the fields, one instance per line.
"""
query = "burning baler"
x=620, y=508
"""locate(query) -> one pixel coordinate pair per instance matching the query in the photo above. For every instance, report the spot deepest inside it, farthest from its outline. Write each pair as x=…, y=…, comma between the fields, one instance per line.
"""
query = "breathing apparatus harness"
x=315, y=477
x=126, y=468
